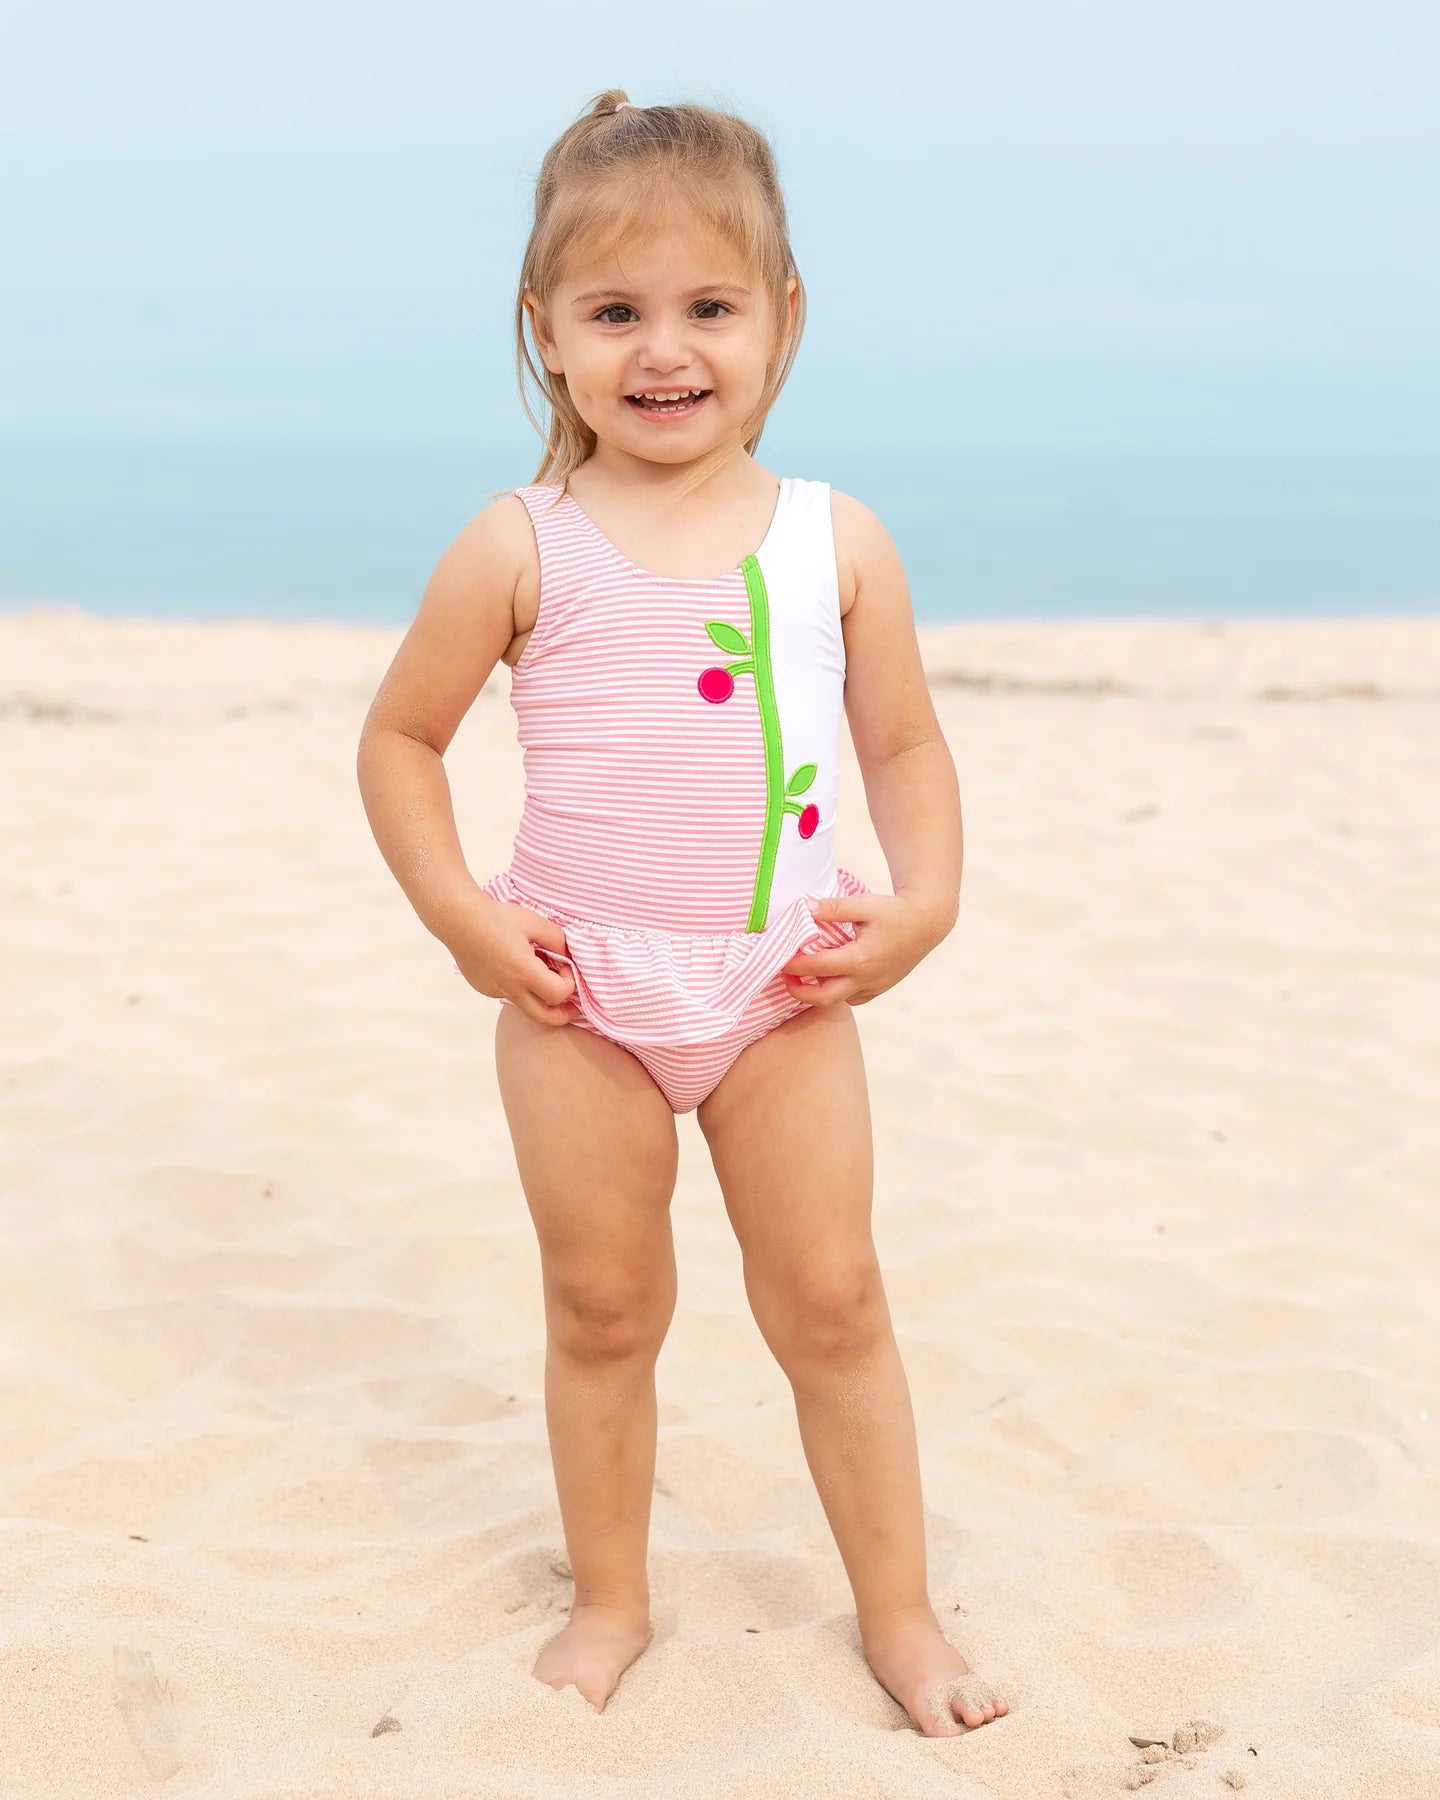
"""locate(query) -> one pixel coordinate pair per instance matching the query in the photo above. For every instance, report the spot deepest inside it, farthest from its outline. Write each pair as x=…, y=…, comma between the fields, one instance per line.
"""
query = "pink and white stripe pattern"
x=645, y=803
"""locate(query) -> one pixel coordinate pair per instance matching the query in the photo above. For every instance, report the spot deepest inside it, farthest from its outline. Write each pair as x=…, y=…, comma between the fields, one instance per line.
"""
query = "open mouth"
x=669, y=403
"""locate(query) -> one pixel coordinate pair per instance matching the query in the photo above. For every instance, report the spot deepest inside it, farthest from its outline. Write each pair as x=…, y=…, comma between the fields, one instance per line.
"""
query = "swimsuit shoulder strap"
x=567, y=559
x=541, y=500
x=803, y=546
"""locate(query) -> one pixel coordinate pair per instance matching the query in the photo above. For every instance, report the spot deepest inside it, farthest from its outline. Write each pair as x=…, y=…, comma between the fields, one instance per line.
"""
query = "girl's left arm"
x=911, y=787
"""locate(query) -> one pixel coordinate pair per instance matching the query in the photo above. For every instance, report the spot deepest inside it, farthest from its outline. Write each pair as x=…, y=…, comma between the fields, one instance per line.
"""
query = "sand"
x=1157, y=1156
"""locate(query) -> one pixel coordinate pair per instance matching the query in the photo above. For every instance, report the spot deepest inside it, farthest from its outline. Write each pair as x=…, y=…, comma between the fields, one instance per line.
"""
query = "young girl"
x=682, y=629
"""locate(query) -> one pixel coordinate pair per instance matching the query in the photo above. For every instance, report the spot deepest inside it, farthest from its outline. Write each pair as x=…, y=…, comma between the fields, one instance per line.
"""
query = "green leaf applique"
x=727, y=637
x=801, y=779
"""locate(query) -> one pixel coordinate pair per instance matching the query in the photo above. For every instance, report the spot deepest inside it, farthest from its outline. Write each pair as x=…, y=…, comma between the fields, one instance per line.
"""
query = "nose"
x=662, y=351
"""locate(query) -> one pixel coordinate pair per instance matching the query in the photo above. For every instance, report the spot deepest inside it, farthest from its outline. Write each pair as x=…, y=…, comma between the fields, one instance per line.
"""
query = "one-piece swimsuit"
x=681, y=757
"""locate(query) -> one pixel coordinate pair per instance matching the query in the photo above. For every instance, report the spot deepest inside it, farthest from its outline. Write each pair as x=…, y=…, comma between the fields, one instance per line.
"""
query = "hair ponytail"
x=608, y=103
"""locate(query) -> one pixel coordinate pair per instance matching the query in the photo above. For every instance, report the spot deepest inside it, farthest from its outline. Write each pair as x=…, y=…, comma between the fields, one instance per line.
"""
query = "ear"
x=544, y=342
x=792, y=306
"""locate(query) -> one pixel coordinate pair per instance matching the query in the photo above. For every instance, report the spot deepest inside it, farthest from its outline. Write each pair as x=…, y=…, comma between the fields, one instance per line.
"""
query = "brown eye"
x=618, y=307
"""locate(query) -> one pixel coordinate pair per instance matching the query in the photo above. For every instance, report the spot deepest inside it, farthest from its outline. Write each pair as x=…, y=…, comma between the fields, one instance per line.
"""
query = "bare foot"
x=916, y=1665
x=593, y=1651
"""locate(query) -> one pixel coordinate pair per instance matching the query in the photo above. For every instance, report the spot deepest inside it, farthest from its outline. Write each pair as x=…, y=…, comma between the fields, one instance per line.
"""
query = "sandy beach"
x=1157, y=1154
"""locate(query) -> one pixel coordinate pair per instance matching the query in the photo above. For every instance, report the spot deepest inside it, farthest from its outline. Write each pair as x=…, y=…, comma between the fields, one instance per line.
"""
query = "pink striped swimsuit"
x=680, y=744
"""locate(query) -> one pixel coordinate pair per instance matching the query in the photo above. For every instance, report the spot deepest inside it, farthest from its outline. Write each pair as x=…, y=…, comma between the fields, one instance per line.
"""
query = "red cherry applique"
x=808, y=820
x=716, y=685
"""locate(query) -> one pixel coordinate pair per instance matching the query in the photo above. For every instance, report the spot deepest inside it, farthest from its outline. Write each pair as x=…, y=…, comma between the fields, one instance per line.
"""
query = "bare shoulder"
x=493, y=553
x=469, y=617
x=494, y=563
x=862, y=545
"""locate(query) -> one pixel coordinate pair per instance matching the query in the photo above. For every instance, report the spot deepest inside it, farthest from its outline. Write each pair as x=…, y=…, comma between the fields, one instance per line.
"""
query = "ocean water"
x=352, y=531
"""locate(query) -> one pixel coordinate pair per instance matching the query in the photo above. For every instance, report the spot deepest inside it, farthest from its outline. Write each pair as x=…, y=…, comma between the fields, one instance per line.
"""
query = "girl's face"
x=665, y=316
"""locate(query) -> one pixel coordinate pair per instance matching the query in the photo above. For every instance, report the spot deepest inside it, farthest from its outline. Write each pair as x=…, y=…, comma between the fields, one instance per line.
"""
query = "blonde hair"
x=618, y=170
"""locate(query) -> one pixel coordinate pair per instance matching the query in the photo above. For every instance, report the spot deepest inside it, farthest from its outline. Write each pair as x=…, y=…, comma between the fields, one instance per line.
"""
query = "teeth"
x=678, y=394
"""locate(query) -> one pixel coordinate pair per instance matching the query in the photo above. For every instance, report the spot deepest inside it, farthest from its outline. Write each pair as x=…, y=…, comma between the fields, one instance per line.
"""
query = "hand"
x=892, y=933
x=497, y=948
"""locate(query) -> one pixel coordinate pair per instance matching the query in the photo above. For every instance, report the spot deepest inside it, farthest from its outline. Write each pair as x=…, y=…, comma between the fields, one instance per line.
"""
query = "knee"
x=823, y=1313
x=595, y=1320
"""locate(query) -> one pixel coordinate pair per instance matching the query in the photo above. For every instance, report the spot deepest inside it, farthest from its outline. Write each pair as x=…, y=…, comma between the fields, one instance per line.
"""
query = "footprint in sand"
x=148, y=1709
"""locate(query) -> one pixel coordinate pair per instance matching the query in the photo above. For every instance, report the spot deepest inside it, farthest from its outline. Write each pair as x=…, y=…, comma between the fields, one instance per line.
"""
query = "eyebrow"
x=708, y=287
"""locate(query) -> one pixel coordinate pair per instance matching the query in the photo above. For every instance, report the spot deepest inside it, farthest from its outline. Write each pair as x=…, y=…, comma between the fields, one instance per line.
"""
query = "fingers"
x=824, y=993
x=552, y=1007
x=540, y=1012
x=858, y=908
x=842, y=959
x=544, y=993
x=544, y=933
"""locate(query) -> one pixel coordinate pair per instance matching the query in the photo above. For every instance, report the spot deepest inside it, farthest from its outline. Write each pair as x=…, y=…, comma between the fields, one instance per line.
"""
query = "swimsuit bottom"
x=685, y=1004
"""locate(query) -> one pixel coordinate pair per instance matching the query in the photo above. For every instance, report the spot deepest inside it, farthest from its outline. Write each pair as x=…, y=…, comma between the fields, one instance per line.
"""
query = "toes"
x=973, y=1700
x=937, y=1720
x=980, y=1707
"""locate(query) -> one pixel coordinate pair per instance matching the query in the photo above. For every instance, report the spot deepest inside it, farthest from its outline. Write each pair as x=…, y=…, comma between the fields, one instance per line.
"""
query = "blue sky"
x=1119, y=226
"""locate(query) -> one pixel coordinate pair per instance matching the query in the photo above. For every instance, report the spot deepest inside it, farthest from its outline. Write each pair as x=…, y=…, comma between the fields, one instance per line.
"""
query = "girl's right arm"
x=464, y=624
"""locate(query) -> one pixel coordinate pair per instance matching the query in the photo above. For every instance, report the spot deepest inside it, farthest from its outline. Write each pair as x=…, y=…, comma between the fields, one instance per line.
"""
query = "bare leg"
x=596, y=1149
x=789, y=1135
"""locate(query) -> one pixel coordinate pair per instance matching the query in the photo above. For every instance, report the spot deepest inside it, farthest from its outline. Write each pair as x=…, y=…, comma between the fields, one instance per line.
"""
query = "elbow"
x=380, y=742
x=371, y=752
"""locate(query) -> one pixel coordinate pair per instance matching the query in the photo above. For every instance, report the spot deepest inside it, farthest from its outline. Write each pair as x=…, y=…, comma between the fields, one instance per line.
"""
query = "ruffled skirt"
x=641, y=986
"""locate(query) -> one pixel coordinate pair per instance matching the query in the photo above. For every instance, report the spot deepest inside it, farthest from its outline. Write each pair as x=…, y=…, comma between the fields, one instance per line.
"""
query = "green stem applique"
x=717, y=685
